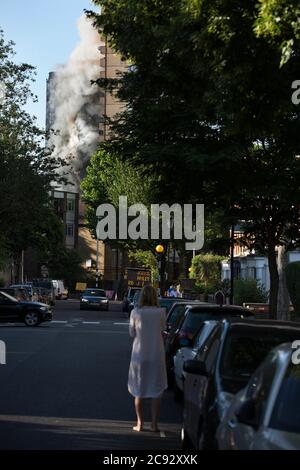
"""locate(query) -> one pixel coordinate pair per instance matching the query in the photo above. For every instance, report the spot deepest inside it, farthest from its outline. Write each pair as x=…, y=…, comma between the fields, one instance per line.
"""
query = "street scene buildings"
x=150, y=226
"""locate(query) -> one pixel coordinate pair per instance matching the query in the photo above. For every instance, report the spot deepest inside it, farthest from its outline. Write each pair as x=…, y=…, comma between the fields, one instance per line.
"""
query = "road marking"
x=162, y=434
x=91, y=322
x=117, y=323
x=59, y=321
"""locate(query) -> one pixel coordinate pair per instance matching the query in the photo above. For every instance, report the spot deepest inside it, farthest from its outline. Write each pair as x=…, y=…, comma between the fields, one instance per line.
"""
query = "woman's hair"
x=148, y=297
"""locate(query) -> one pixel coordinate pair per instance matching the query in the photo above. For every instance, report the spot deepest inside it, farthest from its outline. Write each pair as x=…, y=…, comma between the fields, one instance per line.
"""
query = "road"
x=64, y=386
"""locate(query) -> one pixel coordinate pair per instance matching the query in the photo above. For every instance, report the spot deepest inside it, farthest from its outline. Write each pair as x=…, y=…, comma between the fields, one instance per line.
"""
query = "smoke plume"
x=74, y=104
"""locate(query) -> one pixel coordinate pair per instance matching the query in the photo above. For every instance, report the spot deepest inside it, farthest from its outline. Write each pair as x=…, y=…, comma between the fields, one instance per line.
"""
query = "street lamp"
x=160, y=249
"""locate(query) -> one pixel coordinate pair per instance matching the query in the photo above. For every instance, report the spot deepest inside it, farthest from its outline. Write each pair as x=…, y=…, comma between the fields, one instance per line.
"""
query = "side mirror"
x=246, y=413
x=195, y=367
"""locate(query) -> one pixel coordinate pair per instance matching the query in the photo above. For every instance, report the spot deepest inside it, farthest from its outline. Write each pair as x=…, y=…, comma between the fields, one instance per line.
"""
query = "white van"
x=61, y=293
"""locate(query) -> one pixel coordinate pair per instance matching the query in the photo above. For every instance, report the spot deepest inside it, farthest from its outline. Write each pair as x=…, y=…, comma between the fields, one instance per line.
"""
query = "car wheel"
x=32, y=319
x=186, y=443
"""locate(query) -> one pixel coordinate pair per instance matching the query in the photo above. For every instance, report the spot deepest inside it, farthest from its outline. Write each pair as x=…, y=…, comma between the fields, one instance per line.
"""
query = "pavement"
x=64, y=386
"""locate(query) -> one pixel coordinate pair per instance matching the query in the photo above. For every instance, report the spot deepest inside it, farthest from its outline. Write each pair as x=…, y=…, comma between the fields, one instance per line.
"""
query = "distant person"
x=147, y=371
x=171, y=291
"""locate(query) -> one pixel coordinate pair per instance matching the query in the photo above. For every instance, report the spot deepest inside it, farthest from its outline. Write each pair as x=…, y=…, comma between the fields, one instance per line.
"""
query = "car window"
x=95, y=293
x=208, y=351
x=4, y=297
x=286, y=412
x=176, y=314
x=245, y=349
x=260, y=384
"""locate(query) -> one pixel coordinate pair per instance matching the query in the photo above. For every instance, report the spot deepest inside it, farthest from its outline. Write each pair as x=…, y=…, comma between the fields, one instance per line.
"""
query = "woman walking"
x=147, y=372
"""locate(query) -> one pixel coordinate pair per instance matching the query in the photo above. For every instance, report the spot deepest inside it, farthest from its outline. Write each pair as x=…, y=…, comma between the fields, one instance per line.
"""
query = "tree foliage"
x=208, y=99
x=26, y=168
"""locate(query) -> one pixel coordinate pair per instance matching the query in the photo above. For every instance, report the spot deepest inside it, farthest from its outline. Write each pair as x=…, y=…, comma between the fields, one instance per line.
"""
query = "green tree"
x=26, y=168
x=206, y=270
x=207, y=97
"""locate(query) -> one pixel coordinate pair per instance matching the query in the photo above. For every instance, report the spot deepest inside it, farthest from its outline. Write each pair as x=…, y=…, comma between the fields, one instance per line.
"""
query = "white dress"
x=147, y=376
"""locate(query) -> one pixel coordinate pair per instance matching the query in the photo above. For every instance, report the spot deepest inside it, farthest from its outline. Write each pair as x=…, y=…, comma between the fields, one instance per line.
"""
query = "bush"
x=249, y=290
x=292, y=272
x=206, y=271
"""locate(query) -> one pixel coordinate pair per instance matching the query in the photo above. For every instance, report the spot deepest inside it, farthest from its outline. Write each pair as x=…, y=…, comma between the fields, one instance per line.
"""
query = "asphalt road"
x=64, y=386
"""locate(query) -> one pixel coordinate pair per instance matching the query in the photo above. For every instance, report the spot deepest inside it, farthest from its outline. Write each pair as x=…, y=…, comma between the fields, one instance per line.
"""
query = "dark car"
x=176, y=314
x=221, y=368
x=190, y=323
x=30, y=313
x=94, y=299
x=128, y=303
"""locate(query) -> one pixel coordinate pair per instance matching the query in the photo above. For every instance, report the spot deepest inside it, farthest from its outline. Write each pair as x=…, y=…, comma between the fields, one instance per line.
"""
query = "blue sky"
x=45, y=33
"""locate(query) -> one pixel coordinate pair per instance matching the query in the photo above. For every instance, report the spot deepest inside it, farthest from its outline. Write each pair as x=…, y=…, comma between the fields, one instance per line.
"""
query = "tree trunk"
x=283, y=300
x=274, y=281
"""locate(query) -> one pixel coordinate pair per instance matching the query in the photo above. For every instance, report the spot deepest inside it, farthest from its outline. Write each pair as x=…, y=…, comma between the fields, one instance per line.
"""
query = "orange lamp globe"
x=159, y=249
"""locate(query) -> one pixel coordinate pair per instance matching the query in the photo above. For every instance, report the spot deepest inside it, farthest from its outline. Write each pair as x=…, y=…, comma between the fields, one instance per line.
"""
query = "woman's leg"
x=155, y=413
x=139, y=414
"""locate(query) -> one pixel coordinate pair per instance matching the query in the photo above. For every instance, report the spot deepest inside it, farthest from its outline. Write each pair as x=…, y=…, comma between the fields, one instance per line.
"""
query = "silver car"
x=265, y=415
x=188, y=351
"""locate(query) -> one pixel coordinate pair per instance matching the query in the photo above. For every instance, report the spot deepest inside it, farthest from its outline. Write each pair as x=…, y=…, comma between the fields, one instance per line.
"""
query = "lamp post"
x=160, y=251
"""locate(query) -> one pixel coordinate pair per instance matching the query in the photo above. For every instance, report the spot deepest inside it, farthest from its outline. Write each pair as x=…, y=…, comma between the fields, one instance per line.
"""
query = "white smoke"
x=75, y=104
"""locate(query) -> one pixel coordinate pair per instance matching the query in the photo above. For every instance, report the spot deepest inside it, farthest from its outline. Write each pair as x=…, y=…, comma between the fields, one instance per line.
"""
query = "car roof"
x=262, y=323
x=218, y=308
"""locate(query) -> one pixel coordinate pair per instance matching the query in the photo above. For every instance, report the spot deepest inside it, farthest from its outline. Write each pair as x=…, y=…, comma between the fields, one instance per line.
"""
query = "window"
x=286, y=412
x=260, y=385
x=70, y=230
x=70, y=205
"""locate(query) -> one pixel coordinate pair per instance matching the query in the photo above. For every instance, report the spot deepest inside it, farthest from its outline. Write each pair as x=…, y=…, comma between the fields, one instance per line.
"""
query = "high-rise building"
x=67, y=202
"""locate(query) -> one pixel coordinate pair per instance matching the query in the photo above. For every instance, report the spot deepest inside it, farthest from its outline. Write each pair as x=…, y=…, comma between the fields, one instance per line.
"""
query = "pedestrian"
x=147, y=376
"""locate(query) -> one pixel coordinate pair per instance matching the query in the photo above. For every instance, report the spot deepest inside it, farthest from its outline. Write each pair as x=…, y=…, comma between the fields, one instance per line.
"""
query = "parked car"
x=222, y=367
x=266, y=414
x=30, y=313
x=191, y=322
x=60, y=291
x=187, y=351
x=94, y=299
x=127, y=305
x=44, y=290
x=176, y=314
x=27, y=289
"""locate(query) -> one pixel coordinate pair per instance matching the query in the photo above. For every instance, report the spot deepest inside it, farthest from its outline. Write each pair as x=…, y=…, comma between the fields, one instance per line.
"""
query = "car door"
x=9, y=310
x=195, y=385
x=243, y=436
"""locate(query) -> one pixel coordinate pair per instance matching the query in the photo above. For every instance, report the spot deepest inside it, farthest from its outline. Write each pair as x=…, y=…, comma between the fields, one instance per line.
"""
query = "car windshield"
x=195, y=318
x=133, y=293
x=94, y=293
x=10, y=297
x=176, y=314
x=286, y=412
x=245, y=349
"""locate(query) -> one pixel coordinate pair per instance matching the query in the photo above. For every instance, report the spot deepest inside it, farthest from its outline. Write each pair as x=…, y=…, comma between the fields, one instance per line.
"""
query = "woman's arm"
x=132, y=330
